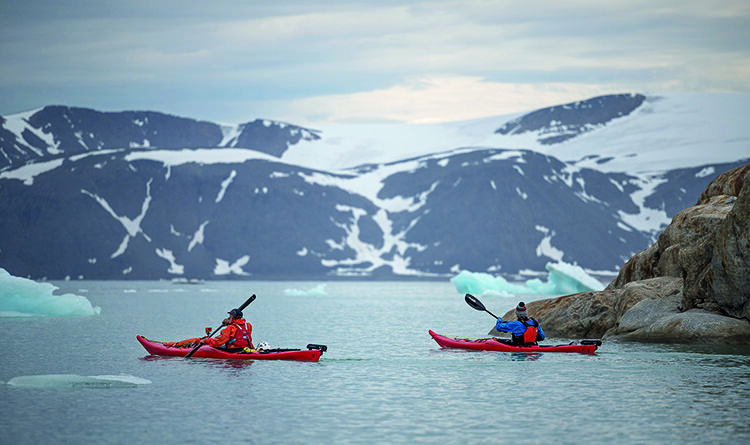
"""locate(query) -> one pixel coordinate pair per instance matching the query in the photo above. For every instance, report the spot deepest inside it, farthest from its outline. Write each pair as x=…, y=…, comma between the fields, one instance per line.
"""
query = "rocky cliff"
x=691, y=286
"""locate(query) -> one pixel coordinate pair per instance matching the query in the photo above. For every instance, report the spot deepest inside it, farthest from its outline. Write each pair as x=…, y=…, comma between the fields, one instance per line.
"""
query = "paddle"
x=472, y=301
x=244, y=305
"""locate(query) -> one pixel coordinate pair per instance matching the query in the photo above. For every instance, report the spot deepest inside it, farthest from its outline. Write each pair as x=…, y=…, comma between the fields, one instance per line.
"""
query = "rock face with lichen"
x=691, y=286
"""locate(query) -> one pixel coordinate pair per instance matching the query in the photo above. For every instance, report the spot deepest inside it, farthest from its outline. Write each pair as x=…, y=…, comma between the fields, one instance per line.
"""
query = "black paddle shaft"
x=472, y=301
x=244, y=305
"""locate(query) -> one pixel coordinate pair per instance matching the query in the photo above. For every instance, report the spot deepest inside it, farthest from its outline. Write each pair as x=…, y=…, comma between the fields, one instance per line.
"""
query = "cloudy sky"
x=308, y=61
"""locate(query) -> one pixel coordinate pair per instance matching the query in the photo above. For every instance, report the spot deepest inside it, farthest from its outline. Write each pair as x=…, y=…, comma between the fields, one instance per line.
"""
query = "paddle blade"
x=472, y=301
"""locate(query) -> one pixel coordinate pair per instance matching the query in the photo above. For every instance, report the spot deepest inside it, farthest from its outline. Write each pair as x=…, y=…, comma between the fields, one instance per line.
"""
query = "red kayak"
x=311, y=354
x=492, y=344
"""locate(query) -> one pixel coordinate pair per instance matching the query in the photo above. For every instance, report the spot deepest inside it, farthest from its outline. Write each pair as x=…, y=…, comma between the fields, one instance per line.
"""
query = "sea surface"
x=383, y=379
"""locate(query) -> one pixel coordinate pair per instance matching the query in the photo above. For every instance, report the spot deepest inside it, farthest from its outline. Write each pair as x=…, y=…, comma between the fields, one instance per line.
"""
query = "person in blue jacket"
x=524, y=332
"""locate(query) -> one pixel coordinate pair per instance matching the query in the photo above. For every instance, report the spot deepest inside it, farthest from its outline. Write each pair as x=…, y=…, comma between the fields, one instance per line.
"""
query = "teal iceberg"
x=21, y=297
x=563, y=279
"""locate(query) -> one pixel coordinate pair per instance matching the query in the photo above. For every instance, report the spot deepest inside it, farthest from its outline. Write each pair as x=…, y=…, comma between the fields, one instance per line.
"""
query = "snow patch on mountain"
x=224, y=267
x=27, y=173
x=174, y=268
x=545, y=247
x=647, y=219
x=229, y=135
x=132, y=226
x=198, y=237
x=201, y=156
x=225, y=184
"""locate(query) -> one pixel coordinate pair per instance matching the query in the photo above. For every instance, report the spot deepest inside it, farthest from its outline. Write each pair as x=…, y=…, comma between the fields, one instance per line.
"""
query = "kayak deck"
x=491, y=344
x=312, y=354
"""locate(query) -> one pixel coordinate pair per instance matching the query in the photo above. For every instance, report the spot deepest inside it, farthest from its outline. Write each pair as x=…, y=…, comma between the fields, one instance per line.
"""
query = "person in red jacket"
x=237, y=334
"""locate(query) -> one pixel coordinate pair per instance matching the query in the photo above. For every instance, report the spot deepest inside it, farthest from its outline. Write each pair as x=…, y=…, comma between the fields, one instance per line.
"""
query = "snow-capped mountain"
x=560, y=123
x=55, y=131
x=663, y=133
x=146, y=195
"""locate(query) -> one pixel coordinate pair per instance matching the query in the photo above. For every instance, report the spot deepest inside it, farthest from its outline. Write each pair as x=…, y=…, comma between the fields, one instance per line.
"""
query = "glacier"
x=21, y=297
x=562, y=279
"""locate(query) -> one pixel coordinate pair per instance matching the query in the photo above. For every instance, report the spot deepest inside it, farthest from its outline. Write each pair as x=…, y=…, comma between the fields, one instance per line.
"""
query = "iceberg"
x=563, y=279
x=317, y=291
x=21, y=297
x=77, y=381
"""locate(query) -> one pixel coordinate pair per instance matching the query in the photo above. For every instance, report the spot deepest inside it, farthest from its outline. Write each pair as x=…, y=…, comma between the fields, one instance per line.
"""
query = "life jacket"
x=241, y=337
x=529, y=335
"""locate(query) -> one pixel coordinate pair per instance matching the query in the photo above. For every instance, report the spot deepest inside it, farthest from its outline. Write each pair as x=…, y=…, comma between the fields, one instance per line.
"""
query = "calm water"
x=383, y=379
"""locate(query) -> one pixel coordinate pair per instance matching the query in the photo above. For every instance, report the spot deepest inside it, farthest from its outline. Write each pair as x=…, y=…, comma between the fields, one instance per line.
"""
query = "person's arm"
x=540, y=332
x=514, y=327
x=500, y=325
x=222, y=338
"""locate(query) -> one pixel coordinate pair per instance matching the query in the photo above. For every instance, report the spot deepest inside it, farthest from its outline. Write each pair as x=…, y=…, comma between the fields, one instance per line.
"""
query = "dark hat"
x=236, y=313
x=521, y=311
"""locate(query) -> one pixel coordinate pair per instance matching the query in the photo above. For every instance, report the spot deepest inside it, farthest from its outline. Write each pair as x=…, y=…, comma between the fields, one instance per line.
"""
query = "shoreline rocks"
x=691, y=286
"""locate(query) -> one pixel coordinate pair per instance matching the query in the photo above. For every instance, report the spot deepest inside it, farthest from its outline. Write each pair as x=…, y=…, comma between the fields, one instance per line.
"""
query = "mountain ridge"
x=61, y=130
x=308, y=203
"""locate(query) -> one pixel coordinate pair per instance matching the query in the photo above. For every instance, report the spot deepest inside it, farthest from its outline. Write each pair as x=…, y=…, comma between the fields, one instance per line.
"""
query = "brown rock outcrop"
x=692, y=285
x=728, y=183
x=682, y=247
x=593, y=314
x=728, y=276
x=717, y=272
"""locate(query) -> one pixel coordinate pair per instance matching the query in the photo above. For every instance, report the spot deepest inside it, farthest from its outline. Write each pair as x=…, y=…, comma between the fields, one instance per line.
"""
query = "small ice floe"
x=317, y=291
x=77, y=381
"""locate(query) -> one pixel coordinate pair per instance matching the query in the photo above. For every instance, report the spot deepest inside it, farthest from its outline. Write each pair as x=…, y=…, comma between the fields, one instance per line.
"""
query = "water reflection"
x=210, y=363
x=228, y=364
x=480, y=355
x=525, y=356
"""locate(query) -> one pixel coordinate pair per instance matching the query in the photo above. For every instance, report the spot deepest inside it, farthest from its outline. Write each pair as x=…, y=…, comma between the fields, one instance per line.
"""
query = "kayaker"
x=237, y=334
x=525, y=331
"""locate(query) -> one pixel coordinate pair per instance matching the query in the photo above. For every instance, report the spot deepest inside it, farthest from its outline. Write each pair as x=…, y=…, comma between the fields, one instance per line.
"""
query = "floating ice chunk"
x=77, y=381
x=317, y=291
x=563, y=279
x=20, y=297
x=125, y=378
x=480, y=283
x=569, y=278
